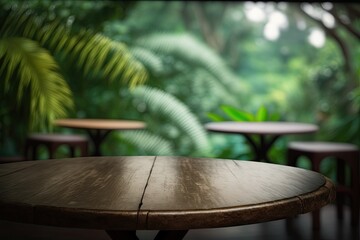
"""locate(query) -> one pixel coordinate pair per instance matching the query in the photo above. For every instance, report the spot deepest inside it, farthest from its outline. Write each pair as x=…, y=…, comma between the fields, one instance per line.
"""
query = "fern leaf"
x=164, y=104
x=150, y=143
x=150, y=60
x=186, y=48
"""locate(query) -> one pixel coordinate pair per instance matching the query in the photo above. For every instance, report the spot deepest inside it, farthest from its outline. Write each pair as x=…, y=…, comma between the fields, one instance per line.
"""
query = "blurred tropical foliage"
x=300, y=60
x=34, y=90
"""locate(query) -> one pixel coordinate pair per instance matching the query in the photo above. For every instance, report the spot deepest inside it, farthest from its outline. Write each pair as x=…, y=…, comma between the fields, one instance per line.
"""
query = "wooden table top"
x=147, y=192
x=102, y=124
x=262, y=128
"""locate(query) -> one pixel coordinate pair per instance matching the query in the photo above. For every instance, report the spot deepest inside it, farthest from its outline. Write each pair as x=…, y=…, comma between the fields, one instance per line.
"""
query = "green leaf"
x=236, y=114
x=261, y=114
x=215, y=117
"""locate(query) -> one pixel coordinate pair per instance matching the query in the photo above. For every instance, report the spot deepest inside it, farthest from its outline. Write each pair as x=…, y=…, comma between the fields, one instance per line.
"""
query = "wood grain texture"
x=186, y=193
x=6, y=169
x=86, y=192
x=145, y=192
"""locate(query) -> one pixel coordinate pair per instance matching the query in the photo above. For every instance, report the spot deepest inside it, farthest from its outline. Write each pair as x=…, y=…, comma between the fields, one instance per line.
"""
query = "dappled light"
x=316, y=38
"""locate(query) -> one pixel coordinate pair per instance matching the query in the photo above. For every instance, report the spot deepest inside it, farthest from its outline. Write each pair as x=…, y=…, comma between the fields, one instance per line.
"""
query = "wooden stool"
x=344, y=154
x=52, y=142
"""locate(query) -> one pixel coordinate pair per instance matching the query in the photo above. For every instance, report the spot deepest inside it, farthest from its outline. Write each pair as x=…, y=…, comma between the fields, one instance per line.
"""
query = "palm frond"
x=89, y=51
x=37, y=71
x=163, y=104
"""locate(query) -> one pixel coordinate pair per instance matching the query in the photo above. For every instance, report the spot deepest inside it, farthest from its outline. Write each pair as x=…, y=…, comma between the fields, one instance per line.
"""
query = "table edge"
x=164, y=220
x=234, y=216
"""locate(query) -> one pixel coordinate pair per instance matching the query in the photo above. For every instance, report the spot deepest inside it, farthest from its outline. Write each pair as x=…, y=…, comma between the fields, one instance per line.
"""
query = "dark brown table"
x=268, y=132
x=170, y=194
x=98, y=129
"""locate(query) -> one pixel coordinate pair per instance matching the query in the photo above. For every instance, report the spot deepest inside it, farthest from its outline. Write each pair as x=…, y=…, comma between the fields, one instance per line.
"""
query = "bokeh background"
x=177, y=65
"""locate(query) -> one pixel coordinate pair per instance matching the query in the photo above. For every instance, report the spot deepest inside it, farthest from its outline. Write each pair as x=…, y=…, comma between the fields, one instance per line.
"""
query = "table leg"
x=122, y=235
x=261, y=150
x=162, y=235
x=97, y=137
x=171, y=235
x=254, y=146
x=265, y=145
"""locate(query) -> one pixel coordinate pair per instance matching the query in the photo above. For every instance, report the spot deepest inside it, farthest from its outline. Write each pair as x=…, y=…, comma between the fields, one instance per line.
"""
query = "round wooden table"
x=268, y=133
x=98, y=129
x=170, y=194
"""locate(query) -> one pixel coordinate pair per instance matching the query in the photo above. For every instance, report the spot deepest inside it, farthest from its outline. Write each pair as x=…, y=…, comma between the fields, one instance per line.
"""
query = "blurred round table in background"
x=268, y=133
x=98, y=129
